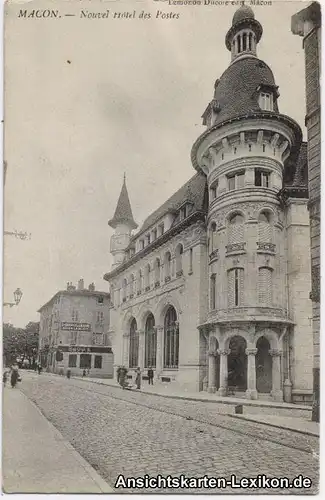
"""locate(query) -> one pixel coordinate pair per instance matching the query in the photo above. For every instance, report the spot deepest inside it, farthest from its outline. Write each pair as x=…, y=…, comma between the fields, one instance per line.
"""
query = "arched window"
x=235, y=287
x=124, y=287
x=134, y=345
x=179, y=259
x=157, y=272
x=265, y=286
x=264, y=228
x=131, y=286
x=147, y=277
x=236, y=229
x=171, y=339
x=167, y=266
x=150, y=342
x=213, y=237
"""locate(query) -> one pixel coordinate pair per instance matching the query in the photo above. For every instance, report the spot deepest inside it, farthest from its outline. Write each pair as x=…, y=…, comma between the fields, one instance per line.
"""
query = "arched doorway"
x=171, y=339
x=263, y=366
x=237, y=364
x=150, y=343
x=134, y=345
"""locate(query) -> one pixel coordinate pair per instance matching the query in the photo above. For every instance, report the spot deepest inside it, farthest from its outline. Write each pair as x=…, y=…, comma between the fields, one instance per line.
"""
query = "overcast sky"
x=130, y=100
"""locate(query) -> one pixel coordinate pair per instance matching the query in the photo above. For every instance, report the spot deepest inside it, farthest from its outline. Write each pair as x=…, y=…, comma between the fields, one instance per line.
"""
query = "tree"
x=20, y=343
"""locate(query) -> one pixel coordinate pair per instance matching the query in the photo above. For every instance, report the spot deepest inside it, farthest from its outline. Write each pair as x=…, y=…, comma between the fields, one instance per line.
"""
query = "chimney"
x=81, y=284
x=70, y=287
x=91, y=287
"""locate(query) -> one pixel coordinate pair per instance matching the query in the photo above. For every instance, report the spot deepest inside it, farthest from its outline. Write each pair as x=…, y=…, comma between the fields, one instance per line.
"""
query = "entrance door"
x=237, y=364
x=263, y=366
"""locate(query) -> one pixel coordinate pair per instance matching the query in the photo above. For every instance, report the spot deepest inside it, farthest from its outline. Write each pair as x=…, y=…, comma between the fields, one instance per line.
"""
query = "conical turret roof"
x=123, y=212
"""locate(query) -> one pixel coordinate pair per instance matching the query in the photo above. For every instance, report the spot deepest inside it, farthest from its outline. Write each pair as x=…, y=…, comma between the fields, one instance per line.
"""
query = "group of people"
x=13, y=373
x=122, y=378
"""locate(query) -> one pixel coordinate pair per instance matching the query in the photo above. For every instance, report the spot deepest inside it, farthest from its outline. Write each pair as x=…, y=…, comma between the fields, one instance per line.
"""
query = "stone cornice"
x=191, y=219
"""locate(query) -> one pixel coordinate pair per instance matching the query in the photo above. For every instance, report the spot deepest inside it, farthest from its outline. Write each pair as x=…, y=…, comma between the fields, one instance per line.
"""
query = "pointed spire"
x=123, y=212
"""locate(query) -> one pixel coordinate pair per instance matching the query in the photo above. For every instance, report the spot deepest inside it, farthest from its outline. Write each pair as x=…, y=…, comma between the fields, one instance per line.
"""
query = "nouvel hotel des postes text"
x=213, y=290
x=74, y=327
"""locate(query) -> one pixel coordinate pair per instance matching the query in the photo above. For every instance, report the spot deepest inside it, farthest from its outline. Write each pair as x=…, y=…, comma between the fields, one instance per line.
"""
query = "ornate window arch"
x=134, y=345
x=150, y=353
x=171, y=339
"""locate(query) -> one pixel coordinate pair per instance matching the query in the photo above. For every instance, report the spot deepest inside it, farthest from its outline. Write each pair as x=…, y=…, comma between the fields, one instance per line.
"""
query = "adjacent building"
x=213, y=289
x=307, y=24
x=74, y=326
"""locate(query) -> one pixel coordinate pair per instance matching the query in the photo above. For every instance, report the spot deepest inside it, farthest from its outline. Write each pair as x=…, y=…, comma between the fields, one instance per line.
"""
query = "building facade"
x=74, y=326
x=307, y=24
x=213, y=289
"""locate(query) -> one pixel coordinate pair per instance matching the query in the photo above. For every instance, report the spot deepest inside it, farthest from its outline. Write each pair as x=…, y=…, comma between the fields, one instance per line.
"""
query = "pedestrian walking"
x=14, y=376
x=39, y=368
x=138, y=378
x=122, y=378
x=5, y=377
x=150, y=375
x=84, y=373
x=118, y=374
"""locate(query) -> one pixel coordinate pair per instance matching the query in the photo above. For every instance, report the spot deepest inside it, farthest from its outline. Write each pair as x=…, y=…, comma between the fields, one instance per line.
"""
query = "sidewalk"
x=297, y=417
x=36, y=458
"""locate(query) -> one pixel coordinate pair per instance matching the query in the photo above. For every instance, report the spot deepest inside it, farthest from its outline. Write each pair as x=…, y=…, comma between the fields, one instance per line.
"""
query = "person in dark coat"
x=118, y=374
x=150, y=375
x=5, y=377
x=14, y=377
x=138, y=378
x=122, y=377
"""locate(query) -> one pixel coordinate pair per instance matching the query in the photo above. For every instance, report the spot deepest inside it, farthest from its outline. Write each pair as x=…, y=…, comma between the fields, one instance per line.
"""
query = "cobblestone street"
x=129, y=433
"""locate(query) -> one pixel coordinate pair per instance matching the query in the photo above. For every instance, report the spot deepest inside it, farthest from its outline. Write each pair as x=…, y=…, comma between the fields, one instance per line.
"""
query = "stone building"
x=213, y=290
x=73, y=334
x=307, y=23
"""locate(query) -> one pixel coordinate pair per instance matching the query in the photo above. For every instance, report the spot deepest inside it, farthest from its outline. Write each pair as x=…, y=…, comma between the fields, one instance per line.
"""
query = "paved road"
x=129, y=433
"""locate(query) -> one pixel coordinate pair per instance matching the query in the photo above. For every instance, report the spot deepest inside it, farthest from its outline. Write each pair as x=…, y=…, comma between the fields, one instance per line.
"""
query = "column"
x=212, y=371
x=141, y=349
x=223, y=371
x=251, y=392
x=125, y=349
x=276, y=392
x=160, y=350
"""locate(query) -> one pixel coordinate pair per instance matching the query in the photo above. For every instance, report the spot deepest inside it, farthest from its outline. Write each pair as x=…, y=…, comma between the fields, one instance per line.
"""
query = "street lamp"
x=17, y=298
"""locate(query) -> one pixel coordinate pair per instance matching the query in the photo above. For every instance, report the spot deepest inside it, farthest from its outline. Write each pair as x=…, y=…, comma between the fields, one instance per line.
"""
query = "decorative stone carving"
x=275, y=352
x=213, y=352
x=223, y=352
x=251, y=352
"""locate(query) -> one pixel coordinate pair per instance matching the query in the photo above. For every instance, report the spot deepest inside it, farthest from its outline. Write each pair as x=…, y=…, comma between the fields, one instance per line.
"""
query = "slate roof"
x=236, y=92
x=123, y=213
x=296, y=172
x=195, y=191
x=244, y=12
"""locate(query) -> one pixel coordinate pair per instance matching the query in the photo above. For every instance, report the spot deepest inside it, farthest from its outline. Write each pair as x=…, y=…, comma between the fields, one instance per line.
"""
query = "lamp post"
x=17, y=298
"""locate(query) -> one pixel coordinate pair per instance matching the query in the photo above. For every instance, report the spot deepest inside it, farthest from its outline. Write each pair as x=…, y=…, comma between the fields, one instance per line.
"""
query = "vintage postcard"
x=161, y=247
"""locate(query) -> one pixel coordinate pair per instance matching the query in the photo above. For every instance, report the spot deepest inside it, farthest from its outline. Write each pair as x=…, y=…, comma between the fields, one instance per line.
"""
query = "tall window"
x=213, y=237
x=171, y=339
x=167, y=264
x=213, y=291
x=124, y=287
x=139, y=282
x=157, y=270
x=85, y=361
x=235, y=287
x=100, y=317
x=72, y=363
x=150, y=342
x=262, y=178
x=147, y=277
x=265, y=286
x=131, y=285
x=179, y=259
x=75, y=315
x=236, y=181
x=236, y=229
x=134, y=345
x=264, y=228
x=266, y=101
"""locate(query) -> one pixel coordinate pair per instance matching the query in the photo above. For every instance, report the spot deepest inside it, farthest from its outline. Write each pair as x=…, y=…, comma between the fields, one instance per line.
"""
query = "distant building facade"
x=212, y=292
x=307, y=23
x=73, y=334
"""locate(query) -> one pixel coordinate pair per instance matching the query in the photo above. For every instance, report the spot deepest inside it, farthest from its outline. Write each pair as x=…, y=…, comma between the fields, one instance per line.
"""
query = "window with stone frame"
x=72, y=363
x=262, y=178
x=235, y=280
x=98, y=362
x=265, y=286
x=264, y=228
x=235, y=229
x=124, y=289
x=167, y=265
x=131, y=281
x=147, y=271
x=134, y=345
x=75, y=315
x=179, y=259
x=150, y=351
x=212, y=291
x=213, y=191
x=73, y=338
x=236, y=180
x=213, y=237
x=157, y=270
x=171, y=339
x=85, y=361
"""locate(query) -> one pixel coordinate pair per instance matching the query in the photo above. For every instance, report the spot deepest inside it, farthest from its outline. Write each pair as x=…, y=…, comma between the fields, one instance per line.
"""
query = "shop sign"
x=75, y=327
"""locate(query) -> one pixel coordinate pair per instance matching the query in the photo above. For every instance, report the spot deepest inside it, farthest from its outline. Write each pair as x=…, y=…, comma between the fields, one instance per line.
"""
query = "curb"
x=98, y=480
